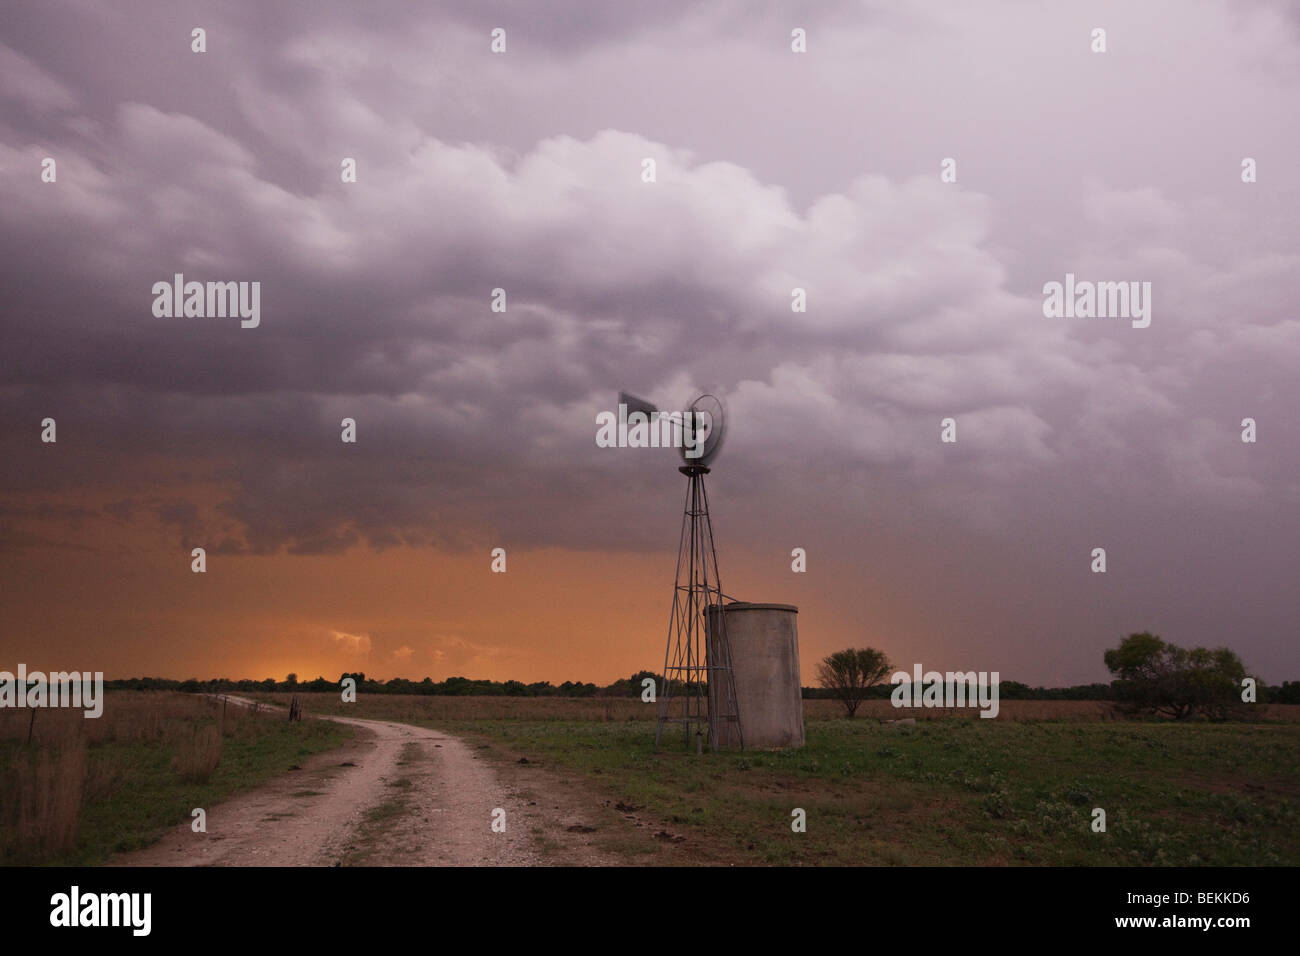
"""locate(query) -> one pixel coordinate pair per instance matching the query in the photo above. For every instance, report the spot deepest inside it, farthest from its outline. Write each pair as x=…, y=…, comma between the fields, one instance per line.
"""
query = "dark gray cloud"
x=818, y=171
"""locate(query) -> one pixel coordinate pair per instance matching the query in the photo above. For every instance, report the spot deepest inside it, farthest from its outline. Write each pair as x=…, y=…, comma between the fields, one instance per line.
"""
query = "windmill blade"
x=706, y=420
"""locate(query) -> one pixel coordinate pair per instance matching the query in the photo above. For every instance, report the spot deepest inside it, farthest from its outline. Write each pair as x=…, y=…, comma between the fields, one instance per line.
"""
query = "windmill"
x=699, y=689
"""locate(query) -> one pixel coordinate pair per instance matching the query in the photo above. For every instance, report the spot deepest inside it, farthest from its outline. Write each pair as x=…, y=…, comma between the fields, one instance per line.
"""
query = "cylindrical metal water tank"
x=764, y=642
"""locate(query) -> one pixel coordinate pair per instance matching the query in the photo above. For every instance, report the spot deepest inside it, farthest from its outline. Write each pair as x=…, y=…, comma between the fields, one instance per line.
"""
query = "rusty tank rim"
x=746, y=606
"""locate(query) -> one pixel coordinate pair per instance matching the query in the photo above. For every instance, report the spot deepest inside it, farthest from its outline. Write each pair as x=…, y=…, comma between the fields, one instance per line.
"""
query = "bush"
x=1157, y=678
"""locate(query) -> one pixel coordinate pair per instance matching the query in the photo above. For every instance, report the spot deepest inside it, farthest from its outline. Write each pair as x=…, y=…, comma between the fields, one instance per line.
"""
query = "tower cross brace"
x=699, y=688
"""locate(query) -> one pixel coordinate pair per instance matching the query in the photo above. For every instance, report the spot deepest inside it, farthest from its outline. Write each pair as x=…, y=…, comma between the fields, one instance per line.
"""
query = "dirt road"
x=397, y=795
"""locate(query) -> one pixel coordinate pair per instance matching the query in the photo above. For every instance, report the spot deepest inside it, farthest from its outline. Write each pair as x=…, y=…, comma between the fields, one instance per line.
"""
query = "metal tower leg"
x=699, y=688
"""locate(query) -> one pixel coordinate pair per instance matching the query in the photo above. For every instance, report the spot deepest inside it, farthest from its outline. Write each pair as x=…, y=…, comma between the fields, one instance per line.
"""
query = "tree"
x=849, y=674
x=1158, y=678
x=1287, y=693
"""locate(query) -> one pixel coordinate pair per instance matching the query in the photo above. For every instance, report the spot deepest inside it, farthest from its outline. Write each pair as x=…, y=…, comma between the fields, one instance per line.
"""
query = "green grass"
x=377, y=823
x=133, y=792
x=152, y=798
x=954, y=792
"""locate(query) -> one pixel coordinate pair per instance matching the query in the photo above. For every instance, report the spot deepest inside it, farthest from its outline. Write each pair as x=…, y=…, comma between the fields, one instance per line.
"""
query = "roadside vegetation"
x=83, y=789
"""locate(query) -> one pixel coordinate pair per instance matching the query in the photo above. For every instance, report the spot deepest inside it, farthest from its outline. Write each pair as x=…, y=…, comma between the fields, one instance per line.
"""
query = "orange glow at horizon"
x=119, y=596
x=553, y=615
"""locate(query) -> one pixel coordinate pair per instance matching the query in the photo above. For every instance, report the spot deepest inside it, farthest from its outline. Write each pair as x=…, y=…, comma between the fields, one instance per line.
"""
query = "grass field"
x=428, y=707
x=949, y=790
x=84, y=789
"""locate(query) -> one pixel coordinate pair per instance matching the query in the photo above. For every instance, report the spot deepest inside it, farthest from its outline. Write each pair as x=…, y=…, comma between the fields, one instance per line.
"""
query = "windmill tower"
x=699, y=689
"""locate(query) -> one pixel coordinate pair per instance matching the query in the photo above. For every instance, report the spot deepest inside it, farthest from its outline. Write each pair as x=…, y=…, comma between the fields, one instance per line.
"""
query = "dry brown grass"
x=45, y=793
x=72, y=760
x=85, y=789
x=133, y=716
x=416, y=707
x=1014, y=710
x=1020, y=711
x=198, y=756
x=46, y=781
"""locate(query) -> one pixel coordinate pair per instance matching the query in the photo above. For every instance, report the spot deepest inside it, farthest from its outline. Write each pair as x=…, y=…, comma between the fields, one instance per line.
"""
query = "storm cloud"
x=522, y=171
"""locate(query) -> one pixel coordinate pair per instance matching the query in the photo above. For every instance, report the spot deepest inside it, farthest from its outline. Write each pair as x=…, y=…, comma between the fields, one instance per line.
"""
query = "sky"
x=524, y=170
